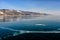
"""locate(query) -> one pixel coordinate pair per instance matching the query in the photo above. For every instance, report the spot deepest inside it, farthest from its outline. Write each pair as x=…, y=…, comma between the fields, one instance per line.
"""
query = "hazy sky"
x=42, y=6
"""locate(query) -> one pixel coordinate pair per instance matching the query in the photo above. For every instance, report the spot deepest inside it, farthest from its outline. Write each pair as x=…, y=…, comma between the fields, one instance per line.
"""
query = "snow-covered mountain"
x=11, y=11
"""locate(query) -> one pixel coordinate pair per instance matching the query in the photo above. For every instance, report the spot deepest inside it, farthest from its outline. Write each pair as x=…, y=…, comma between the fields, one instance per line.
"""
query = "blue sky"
x=42, y=6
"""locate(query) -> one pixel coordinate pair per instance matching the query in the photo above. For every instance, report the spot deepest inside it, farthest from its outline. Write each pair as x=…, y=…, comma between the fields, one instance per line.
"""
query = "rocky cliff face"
x=7, y=11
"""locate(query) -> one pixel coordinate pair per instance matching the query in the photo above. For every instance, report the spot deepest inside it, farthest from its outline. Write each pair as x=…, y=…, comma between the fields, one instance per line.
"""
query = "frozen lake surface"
x=21, y=25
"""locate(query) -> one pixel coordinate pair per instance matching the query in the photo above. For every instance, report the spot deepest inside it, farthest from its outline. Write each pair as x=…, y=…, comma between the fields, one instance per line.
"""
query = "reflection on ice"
x=13, y=18
x=18, y=18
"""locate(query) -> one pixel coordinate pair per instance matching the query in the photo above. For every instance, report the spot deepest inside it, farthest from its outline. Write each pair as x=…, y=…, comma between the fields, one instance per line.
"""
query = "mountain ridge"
x=17, y=12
